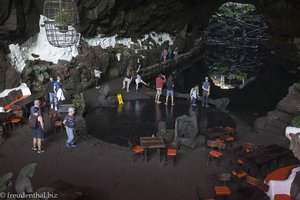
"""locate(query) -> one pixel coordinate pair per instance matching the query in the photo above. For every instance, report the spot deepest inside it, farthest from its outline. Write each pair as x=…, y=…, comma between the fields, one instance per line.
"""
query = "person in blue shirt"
x=55, y=88
x=206, y=91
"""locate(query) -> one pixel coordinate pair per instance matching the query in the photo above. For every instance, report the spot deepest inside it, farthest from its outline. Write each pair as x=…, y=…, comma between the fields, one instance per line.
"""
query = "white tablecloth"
x=282, y=187
x=291, y=129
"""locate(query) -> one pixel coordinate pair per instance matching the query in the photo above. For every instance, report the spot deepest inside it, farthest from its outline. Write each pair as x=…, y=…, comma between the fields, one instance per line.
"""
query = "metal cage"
x=61, y=21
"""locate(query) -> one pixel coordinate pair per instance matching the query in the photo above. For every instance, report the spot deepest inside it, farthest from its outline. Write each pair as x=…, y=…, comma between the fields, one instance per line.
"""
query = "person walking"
x=206, y=91
x=128, y=78
x=159, y=82
x=170, y=90
x=194, y=94
x=38, y=129
x=69, y=123
x=55, y=88
x=51, y=92
x=97, y=73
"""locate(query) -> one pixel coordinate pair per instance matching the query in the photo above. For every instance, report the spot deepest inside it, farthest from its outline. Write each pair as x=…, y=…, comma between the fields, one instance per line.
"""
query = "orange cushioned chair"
x=58, y=124
x=215, y=149
x=223, y=190
x=171, y=153
x=6, y=126
x=239, y=173
x=279, y=174
x=135, y=150
x=15, y=121
x=282, y=197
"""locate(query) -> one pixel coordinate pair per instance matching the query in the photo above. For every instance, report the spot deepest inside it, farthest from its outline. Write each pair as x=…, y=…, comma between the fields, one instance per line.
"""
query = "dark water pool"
x=141, y=118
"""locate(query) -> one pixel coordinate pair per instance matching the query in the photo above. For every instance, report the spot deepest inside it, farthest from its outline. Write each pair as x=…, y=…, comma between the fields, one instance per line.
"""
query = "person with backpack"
x=170, y=90
x=38, y=128
x=69, y=122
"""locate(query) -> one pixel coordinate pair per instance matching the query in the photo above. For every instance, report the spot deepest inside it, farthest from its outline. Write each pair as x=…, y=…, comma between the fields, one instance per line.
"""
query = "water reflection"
x=141, y=118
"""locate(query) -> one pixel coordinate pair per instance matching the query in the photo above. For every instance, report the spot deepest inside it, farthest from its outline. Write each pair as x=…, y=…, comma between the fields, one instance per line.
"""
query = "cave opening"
x=236, y=42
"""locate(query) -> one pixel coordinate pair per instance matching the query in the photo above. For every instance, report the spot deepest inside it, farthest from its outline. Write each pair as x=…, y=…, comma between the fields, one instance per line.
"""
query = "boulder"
x=104, y=99
x=193, y=143
x=289, y=104
x=186, y=126
x=220, y=103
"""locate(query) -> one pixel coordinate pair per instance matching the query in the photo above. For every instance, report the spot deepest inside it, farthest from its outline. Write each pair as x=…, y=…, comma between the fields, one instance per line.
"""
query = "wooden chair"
x=136, y=150
x=15, y=121
x=237, y=170
x=257, y=183
x=19, y=113
x=250, y=147
x=223, y=190
x=2, y=131
x=172, y=152
x=6, y=126
x=215, y=149
x=58, y=124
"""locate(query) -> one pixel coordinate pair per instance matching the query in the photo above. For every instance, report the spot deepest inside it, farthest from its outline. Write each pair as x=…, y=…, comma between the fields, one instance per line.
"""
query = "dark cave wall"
x=9, y=77
x=135, y=17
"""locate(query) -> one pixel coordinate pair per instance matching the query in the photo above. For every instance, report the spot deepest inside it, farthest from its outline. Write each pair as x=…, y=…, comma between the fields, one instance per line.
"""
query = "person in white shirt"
x=138, y=79
x=97, y=73
x=194, y=94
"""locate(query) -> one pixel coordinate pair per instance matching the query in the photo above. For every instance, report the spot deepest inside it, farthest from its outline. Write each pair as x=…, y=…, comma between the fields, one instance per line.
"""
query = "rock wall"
x=9, y=77
x=276, y=121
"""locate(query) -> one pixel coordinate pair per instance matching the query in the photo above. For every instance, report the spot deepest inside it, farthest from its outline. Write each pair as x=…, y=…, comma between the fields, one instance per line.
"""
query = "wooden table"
x=260, y=162
x=152, y=143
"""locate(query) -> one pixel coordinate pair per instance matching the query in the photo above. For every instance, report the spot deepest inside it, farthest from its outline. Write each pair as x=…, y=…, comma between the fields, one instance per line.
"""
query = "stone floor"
x=108, y=172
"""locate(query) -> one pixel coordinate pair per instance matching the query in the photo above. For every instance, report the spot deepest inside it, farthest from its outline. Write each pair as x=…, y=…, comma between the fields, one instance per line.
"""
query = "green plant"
x=63, y=18
x=241, y=75
x=40, y=72
x=163, y=130
x=296, y=121
x=78, y=100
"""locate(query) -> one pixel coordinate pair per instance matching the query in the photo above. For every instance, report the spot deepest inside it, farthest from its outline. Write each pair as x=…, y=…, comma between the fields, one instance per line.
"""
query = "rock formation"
x=9, y=77
x=276, y=121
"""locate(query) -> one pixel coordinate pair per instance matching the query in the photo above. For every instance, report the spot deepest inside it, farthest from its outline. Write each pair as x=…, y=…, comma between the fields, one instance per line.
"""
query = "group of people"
x=194, y=93
x=37, y=122
x=132, y=74
x=56, y=94
x=159, y=83
x=168, y=54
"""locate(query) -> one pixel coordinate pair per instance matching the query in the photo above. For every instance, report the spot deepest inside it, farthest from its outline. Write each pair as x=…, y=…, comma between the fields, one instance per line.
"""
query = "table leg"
x=159, y=153
x=146, y=156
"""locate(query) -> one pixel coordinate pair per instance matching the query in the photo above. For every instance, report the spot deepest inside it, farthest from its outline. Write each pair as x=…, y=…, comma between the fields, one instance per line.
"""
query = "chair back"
x=216, y=144
x=250, y=147
x=224, y=177
x=256, y=183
